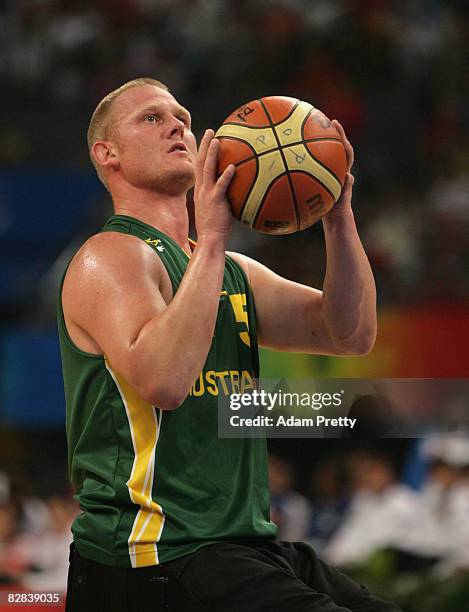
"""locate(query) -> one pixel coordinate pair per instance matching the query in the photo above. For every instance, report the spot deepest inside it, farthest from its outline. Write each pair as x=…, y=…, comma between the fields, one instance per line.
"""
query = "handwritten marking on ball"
x=243, y=112
x=299, y=158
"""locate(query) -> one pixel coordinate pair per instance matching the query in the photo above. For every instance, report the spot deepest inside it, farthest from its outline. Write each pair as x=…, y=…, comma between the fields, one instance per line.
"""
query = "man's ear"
x=105, y=154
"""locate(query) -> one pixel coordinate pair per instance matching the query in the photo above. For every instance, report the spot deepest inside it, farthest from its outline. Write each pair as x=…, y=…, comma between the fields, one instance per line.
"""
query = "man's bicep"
x=121, y=314
x=289, y=315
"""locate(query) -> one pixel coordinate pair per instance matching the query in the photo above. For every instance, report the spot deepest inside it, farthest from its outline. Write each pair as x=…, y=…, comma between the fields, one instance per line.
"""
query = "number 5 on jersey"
x=238, y=303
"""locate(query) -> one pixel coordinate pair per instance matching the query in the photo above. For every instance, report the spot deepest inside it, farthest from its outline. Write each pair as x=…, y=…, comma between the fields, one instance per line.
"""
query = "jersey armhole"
x=63, y=325
x=241, y=269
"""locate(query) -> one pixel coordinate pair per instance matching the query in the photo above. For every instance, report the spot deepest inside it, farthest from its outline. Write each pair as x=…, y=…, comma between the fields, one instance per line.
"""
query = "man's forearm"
x=349, y=291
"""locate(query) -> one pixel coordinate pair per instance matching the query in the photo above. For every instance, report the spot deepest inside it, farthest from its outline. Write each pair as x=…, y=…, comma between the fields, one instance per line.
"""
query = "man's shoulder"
x=111, y=243
x=112, y=254
x=241, y=260
x=114, y=247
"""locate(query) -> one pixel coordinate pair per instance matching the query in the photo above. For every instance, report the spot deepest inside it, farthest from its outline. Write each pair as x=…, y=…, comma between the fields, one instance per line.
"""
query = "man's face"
x=153, y=140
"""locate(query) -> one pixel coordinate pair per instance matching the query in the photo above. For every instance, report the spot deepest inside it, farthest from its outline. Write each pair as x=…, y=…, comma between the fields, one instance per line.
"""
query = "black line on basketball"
x=289, y=114
x=321, y=138
x=236, y=139
x=247, y=125
x=321, y=164
x=297, y=210
x=305, y=119
x=315, y=178
x=253, y=182
x=261, y=205
x=293, y=144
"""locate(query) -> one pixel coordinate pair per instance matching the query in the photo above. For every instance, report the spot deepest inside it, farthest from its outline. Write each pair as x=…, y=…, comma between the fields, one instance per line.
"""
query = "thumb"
x=346, y=193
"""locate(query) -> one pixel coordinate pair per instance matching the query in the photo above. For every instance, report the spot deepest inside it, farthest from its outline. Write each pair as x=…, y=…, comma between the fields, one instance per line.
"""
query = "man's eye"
x=150, y=118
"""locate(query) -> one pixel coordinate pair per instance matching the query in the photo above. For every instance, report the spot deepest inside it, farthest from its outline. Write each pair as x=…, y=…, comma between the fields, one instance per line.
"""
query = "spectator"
x=382, y=514
x=330, y=500
x=289, y=509
x=16, y=548
x=50, y=557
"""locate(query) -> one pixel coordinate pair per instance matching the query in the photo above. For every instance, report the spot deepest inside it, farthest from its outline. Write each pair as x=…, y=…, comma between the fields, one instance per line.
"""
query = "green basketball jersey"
x=155, y=485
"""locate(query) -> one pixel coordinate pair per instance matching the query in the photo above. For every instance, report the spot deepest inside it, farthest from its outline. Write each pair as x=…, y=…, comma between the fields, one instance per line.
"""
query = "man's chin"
x=177, y=182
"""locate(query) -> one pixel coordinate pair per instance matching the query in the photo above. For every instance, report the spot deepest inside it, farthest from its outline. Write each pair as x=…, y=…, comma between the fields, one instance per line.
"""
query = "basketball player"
x=152, y=327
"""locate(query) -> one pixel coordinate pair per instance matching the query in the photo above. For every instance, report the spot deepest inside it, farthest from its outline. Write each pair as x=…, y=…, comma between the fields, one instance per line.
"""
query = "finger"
x=225, y=179
x=211, y=161
x=341, y=131
x=350, y=155
x=202, y=153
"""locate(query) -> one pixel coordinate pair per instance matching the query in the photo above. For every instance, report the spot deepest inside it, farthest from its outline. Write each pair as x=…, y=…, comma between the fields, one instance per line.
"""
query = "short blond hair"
x=99, y=127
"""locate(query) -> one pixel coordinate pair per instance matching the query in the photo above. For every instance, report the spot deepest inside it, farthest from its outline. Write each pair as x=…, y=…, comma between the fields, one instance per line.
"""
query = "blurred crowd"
x=360, y=504
x=356, y=506
x=34, y=534
x=392, y=72
x=383, y=525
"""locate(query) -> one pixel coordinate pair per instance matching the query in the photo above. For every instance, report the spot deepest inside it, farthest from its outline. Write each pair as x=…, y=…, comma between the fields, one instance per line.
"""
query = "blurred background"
x=394, y=73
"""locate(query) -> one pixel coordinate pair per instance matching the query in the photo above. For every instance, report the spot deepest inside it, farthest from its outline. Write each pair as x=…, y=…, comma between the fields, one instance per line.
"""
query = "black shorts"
x=224, y=577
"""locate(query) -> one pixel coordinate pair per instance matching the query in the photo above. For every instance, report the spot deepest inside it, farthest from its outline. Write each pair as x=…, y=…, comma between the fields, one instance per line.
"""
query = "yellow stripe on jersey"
x=144, y=429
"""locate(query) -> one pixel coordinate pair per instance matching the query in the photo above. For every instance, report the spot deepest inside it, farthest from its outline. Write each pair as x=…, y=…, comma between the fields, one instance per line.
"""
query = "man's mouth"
x=178, y=146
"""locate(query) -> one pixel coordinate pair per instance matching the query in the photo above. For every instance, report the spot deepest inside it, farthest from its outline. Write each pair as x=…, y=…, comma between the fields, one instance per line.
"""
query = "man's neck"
x=165, y=212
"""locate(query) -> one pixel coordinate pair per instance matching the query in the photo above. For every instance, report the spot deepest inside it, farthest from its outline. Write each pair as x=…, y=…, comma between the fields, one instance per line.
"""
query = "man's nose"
x=177, y=127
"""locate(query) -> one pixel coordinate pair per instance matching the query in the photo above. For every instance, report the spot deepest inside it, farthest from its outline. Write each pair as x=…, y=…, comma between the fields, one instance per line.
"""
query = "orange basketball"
x=290, y=164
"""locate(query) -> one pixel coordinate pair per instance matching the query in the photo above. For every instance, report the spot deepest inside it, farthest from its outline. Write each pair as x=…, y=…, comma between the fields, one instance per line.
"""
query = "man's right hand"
x=213, y=215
